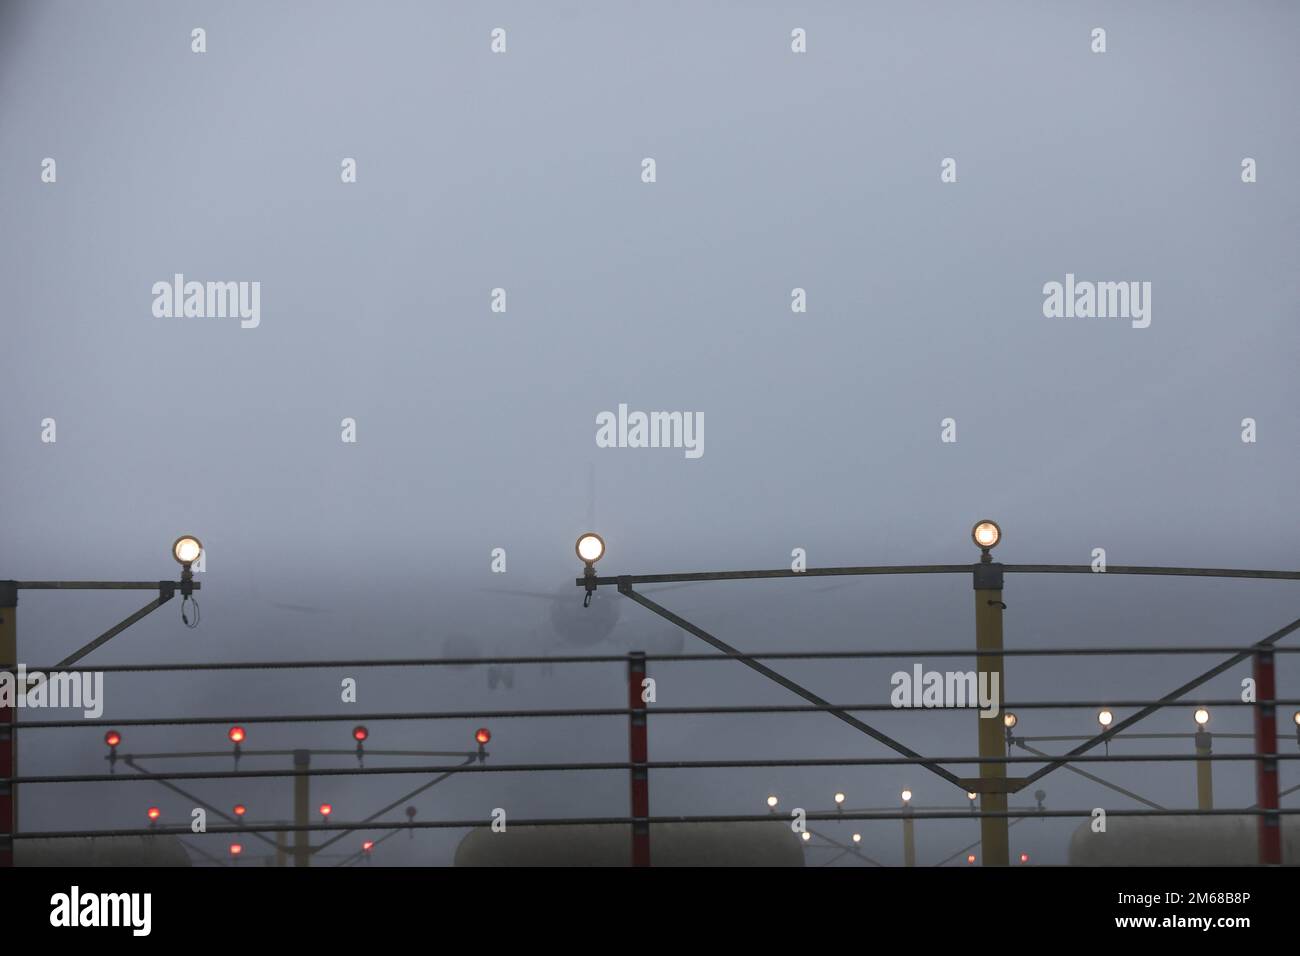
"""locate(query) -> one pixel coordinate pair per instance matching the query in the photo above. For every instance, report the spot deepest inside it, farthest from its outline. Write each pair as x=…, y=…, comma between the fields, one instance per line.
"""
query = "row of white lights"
x=591, y=546
x=1106, y=717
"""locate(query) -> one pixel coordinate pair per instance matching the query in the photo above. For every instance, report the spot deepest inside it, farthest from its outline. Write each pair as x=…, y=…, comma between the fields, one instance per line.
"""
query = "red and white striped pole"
x=8, y=723
x=1270, y=829
x=638, y=750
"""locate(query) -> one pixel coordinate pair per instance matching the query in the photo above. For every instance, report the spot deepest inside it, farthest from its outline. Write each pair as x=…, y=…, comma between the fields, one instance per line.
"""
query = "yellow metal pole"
x=1204, y=772
x=909, y=842
x=992, y=740
x=301, y=811
x=281, y=849
x=8, y=718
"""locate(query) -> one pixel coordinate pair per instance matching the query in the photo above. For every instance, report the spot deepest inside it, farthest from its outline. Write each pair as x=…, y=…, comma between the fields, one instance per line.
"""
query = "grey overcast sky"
x=476, y=430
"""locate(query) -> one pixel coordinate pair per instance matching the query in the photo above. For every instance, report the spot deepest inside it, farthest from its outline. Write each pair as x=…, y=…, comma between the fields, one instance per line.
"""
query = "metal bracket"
x=988, y=577
x=993, y=784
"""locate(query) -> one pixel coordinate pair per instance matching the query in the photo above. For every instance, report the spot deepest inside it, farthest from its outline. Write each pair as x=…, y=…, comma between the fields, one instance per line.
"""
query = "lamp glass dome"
x=186, y=549
x=906, y=795
x=1202, y=716
x=1105, y=717
x=591, y=547
x=1009, y=719
x=986, y=534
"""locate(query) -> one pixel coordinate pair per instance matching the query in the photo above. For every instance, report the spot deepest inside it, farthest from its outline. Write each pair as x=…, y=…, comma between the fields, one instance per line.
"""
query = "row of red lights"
x=237, y=735
x=1024, y=858
x=237, y=848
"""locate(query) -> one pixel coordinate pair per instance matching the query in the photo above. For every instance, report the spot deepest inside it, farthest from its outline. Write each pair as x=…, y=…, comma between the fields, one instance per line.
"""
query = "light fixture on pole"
x=237, y=737
x=839, y=801
x=112, y=738
x=186, y=550
x=772, y=802
x=1204, y=741
x=1105, y=717
x=1009, y=721
x=987, y=578
x=986, y=534
x=909, y=830
x=590, y=548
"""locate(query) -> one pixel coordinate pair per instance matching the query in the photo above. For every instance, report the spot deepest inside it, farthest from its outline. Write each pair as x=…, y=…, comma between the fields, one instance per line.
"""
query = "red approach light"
x=236, y=734
x=153, y=813
x=1024, y=858
x=970, y=858
x=359, y=734
x=240, y=809
x=326, y=809
x=368, y=846
x=483, y=735
x=112, y=738
x=236, y=849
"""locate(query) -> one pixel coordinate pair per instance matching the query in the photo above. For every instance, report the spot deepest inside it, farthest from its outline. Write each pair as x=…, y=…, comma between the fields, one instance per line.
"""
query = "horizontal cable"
x=635, y=579
x=910, y=652
x=103, y=585
x=649, y=765
x=616, y=821
x=651, y=710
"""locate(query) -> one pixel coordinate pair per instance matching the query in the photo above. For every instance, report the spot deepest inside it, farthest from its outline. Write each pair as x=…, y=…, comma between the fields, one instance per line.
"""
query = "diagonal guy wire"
x=785, y=682
x=189, y=796
x=1095, y=779
x=379, y=813
x=1173, y=695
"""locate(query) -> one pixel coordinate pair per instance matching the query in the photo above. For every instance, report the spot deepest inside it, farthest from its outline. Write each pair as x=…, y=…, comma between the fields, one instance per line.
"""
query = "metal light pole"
x=909, y=831
x=992, y=783
x=1204, y=766
x=1266, y=788
x=301, y=808
x=638, y=754
x=186, y=550
x=8, y=718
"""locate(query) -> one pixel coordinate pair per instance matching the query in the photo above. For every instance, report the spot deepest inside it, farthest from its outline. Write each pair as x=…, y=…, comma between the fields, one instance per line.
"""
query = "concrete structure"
x=1178, y=841
x=671, y=844
x=102, y=851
